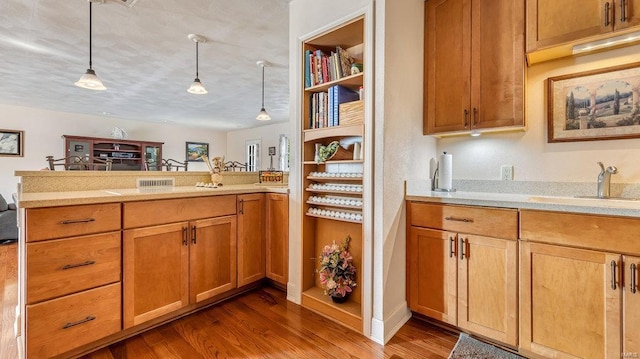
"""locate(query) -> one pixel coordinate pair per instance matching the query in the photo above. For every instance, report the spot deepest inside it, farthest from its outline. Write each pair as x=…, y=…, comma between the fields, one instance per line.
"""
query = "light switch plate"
x=506, y=173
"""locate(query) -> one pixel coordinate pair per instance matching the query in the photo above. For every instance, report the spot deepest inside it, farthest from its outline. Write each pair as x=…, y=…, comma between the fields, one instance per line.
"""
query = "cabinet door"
x=156, y=272
x=447, y=65
x=251, y=238
x=552, y=22
x=212, y=257
x=569, y=302
x=487, y=287
x=431, y=273
x=627, y=14
x=631, y=311
x=277, y=237
x=497, y=63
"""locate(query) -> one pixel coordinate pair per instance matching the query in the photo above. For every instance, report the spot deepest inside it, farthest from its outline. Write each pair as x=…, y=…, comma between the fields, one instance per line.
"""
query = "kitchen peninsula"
x=106, y=255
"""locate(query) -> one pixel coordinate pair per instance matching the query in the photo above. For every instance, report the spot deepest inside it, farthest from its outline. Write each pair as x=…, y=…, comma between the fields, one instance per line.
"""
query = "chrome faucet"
x=604, y=180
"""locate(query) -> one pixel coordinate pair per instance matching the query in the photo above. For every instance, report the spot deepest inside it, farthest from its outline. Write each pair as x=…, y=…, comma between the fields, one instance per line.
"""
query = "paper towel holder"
x=434, y=181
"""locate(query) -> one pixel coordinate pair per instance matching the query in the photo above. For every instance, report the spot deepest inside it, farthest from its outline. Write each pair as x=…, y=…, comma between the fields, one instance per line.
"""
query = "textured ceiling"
x=144, y=58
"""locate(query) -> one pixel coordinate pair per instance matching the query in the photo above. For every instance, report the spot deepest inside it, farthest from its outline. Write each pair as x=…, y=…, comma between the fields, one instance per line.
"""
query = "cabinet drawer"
x=59, y=222
x=62, y=324
x=605, y=233
x=64, y=266
x=492, y=222
x=149, y=213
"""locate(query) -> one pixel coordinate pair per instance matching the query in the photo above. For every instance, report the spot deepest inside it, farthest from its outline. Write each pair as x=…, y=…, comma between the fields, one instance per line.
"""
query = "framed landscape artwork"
x=195, y=150
x=11, y=143
x=603, y=104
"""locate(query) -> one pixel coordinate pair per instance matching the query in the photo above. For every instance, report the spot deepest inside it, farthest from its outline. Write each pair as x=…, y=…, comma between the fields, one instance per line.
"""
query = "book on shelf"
x=322, y=68
x=324, y=107
x=341, y=95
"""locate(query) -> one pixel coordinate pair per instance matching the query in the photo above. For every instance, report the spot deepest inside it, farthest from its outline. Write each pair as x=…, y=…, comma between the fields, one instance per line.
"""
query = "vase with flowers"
x=337, y=272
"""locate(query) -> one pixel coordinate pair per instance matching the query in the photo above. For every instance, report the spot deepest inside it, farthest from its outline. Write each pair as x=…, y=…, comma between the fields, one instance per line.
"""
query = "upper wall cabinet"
x=551, y=23
x=474, y=65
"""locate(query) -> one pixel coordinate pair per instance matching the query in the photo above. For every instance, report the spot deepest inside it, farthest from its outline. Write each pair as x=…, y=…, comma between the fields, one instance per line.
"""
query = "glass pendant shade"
x=90, y=81
x=263, y=115
x=196, y=88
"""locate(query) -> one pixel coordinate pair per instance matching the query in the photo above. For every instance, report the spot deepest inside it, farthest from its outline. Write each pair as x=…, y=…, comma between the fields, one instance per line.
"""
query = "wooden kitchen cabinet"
x=156, y=271
x=251, y=238
x=474, y=65
x=277, y=237
x=576, y=289
x=465, y=278
x=551, y=22
x=212, y=257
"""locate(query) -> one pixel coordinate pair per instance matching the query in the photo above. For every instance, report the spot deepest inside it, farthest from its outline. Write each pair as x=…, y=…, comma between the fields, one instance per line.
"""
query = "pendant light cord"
x=197, y=58
x=262, y=86
x=90, y=26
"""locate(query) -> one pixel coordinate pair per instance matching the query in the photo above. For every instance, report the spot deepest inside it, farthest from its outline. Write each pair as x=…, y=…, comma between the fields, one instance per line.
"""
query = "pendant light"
x=196, y=87
x=263, y=115
x=90, y=80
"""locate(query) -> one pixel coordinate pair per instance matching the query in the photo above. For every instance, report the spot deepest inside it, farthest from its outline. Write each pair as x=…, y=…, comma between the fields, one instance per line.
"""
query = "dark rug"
x=469, y=348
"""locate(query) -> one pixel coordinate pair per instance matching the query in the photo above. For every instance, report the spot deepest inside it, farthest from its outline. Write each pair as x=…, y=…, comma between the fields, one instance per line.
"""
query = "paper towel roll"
x=445, y=179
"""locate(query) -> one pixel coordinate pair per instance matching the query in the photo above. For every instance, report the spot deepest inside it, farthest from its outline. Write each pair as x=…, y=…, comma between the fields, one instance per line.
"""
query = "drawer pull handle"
x=613, y=275
x=451, y=252
x=84, y=220
x=87, y=263
x=73, y=324
x=633, y=278
x=465, y=220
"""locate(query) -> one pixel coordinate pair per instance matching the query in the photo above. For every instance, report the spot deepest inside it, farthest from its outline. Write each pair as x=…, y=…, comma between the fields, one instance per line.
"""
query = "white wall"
x=43, y=130
x=532, y=157
x=401, y=151
x=270, y=137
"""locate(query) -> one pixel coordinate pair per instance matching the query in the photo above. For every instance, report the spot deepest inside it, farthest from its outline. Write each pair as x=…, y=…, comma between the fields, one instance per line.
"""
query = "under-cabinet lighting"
x=475, y=133
x=612, y=41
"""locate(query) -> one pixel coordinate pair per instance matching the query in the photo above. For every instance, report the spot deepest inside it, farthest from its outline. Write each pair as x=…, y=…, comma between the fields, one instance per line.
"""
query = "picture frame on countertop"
x=195, y=151
x=11, y=143
x=602, y=104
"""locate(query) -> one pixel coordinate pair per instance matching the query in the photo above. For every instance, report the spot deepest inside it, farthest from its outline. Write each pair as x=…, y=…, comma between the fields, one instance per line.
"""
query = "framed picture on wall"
x=195, y=151
x=11, y=143
x=602, y=104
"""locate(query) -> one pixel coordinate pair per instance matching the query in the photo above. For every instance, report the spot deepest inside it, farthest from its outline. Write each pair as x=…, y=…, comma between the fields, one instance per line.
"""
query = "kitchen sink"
x=590, y=201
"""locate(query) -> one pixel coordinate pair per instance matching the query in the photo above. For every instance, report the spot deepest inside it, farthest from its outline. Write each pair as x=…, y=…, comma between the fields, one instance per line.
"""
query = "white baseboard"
x=383, y=331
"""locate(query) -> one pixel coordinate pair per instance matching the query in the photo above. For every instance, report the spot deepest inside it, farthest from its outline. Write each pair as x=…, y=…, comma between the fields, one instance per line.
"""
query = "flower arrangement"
x=337, y=272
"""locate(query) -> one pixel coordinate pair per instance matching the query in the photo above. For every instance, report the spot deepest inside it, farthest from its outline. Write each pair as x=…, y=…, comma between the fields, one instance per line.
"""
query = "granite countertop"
x=419, y=190
x=64, y=198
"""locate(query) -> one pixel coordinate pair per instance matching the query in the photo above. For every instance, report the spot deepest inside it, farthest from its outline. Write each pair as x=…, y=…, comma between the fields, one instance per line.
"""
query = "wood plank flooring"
x=258, y=324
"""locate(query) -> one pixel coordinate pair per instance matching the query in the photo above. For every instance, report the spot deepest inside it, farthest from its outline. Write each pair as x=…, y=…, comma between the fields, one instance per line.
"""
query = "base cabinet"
x=467, y=280
x=277, y=237
x=631, y=306
x=251, y=238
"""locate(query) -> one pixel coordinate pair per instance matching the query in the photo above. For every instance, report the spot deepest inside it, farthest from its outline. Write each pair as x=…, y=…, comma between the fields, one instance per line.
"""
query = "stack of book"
x=325, y=106
x=322, y=68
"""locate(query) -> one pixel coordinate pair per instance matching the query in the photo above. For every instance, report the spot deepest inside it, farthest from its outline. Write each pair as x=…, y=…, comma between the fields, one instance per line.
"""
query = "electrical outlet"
x=506, y=173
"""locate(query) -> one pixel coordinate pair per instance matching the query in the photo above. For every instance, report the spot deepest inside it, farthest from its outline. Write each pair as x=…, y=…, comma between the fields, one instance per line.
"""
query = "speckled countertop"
x=550, y=199
x=49, y=199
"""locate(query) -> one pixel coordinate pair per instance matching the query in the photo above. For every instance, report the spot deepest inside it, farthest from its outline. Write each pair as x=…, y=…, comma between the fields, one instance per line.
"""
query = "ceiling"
x=144, y=58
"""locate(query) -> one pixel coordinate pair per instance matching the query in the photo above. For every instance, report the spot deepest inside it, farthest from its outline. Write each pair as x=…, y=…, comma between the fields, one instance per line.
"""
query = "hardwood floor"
x=258, y=324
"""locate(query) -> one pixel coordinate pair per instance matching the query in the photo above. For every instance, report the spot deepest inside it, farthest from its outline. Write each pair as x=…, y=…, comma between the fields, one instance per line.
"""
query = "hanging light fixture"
x=263, y=115
x=90, y=80
x=196, y=87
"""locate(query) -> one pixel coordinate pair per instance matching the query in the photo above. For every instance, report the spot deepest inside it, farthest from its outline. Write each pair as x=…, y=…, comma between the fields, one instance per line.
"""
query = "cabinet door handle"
x=184, y=236
x=462, y=248
x=607, y=7
x=73, y=221
x=465, y=220
x=451, y=244
x=466, y=118
x=623, y=10
x=633, y=269
x=193, y=234
x=87, y=263
x=613, y=275
x=242, y=206
x=475, y=116
x=73, y=324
